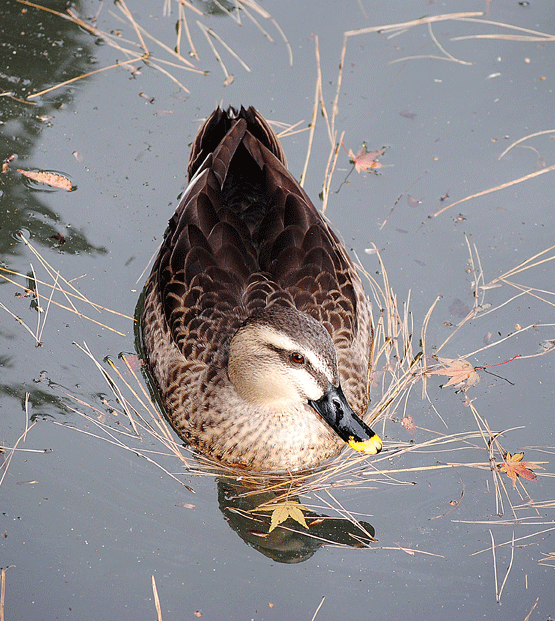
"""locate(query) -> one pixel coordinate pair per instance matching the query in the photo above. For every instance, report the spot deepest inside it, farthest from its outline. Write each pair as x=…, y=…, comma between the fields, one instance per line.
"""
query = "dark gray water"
x=87, y=523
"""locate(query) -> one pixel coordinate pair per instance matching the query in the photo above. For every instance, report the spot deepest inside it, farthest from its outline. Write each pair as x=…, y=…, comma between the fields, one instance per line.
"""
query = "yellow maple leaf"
x=284, y=510
x=514, y=467
x=460, y=371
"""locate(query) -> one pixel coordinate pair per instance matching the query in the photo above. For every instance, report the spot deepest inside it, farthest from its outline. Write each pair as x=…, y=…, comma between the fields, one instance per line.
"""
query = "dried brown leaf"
x=59, y=238
x=52, y=179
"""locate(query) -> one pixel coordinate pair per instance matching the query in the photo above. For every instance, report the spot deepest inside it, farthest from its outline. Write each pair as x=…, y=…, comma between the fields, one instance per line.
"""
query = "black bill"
x=335, y=410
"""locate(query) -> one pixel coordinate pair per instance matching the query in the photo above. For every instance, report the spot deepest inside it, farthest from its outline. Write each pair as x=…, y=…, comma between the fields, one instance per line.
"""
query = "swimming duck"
x=255, y=324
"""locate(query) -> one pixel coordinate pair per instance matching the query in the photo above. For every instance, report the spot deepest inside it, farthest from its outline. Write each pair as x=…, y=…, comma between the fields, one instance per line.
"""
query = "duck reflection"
x=249, y=510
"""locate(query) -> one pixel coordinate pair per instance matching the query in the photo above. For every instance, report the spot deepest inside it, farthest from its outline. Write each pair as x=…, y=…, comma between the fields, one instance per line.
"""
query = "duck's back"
x=245, y=236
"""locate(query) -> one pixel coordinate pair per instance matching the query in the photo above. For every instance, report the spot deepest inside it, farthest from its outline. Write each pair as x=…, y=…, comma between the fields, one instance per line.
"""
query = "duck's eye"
x=297, y=358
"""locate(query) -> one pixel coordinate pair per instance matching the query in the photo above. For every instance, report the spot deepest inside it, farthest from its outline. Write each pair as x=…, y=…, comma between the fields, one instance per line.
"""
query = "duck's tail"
x=220, y=122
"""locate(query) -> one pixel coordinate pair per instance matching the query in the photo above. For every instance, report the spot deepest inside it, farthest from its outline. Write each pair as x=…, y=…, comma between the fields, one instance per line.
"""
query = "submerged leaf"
x=546, y=346
x=460, y=372
x=59, y=238
x=408, y=423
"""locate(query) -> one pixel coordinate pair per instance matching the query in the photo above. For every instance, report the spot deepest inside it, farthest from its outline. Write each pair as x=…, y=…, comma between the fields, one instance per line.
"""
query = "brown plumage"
x=244, y=252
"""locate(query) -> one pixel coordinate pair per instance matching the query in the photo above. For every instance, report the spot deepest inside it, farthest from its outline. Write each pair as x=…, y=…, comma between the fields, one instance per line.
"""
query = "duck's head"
x=281, y=359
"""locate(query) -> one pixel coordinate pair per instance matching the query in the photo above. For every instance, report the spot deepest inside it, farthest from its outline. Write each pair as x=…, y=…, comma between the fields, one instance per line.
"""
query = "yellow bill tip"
x=371, y=446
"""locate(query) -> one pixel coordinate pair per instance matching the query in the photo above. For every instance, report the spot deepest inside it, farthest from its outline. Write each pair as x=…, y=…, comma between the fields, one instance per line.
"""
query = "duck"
x=255, y=325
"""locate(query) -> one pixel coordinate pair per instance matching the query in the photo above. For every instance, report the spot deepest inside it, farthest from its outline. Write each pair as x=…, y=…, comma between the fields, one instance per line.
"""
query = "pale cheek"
x=268, y=387
x=308, y=387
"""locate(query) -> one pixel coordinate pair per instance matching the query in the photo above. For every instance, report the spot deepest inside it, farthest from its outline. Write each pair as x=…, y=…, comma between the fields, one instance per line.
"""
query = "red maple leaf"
x=514, y=467
x=366, y=160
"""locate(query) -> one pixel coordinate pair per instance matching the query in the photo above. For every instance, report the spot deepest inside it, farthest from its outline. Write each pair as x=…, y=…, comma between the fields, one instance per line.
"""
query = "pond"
x=103, y=513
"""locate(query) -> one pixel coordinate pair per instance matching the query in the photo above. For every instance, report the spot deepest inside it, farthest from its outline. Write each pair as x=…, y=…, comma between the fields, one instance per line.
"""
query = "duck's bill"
x=371, y=446
x=335, y=410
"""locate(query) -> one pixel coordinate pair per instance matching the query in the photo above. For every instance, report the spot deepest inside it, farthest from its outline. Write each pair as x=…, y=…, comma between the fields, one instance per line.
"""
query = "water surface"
x=87, y=523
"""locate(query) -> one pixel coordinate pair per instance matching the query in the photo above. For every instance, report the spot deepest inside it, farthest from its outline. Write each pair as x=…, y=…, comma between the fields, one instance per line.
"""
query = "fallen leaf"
x=6, y=163
x=458, y=308
x=540, y=162
x=366, y=160
x=134, y=362
x=460, y=371
x=284, y=510
x=514, y=467
x=546, y=346
x=52, y=179
x=59, y=238
x=408, y=424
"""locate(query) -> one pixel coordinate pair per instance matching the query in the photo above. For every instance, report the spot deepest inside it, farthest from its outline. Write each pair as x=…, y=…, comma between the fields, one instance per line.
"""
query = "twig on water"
x=156, y=599
x=499, y=591
x=3, y=590
x=503, y=186
x=319, y=606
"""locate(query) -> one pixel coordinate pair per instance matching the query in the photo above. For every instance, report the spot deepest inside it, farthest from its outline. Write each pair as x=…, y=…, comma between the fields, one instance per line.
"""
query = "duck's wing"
x=310, y=266
x=245, y=236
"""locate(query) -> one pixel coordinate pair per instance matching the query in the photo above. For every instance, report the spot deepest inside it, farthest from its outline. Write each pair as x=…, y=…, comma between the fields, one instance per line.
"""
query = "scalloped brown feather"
x=245, y=236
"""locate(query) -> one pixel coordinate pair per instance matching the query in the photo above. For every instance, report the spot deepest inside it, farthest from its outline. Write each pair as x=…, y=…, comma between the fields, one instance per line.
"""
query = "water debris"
x=284, y=510
x=59, y=238
x=547, y=346
x=147, y=97
x=6, y=163
x=514, y=467
x=460, y=372
x=408, y=423
x=366, y=160
x=54, y=180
